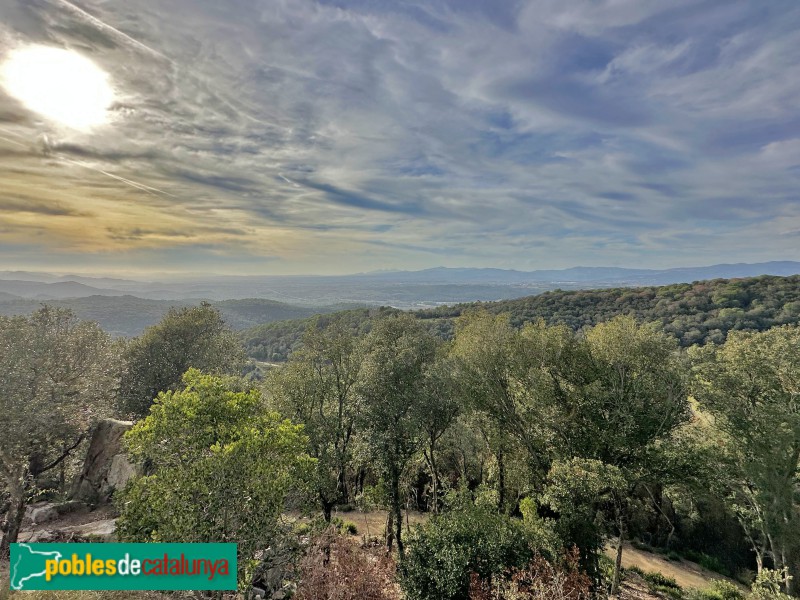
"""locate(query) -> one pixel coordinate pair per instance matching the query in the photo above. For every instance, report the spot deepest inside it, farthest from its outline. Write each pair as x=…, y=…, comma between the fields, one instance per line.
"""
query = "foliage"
x=317, y=387
x=219, y=469
x=448, y=548
x=695, y=313
x=767, y=586
x=397, y=351
x=336, y=569
x=750, y=386
x=539, y=580
x=190, y=337
x=57, y=375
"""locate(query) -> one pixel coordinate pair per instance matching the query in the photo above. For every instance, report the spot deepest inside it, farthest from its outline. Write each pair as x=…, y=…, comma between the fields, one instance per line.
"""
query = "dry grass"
x=686, y=574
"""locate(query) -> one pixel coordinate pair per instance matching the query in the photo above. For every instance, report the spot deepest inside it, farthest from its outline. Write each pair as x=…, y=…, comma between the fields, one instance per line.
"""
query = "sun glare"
x=61, y=85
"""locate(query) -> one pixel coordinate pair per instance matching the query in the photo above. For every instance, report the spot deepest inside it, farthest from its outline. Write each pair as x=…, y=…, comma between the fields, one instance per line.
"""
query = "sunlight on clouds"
x=60, y=85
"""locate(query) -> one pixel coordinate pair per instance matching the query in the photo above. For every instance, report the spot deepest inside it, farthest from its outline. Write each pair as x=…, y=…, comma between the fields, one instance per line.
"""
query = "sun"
x=61, y=85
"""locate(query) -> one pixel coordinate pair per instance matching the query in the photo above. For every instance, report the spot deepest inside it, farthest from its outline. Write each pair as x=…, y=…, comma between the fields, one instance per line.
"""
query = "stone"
x=44, y=512
x=106, y=467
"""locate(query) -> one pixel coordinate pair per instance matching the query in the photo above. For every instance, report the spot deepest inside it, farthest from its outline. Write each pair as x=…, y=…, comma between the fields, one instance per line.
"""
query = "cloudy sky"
x=297, y=136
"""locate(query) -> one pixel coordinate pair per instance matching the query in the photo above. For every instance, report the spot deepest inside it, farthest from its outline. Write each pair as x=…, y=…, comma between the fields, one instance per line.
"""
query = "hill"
x=695, y=313
x=129, y=315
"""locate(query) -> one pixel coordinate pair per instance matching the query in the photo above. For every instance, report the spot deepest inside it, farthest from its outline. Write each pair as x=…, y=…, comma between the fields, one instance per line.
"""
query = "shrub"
x=335, y=568
x=657, y=579
x=718, y=590
x=349, y=527
x=445, y=551
x=767, y=586
x=726, y=590
x=540, y=580
x=344, y=526
x=302, y=528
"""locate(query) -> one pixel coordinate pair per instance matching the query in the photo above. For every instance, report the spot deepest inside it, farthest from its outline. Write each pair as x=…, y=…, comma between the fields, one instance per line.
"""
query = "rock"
x=40, y=513
x=106, y=467
x=259, y=593
x=44, y=512
x=96, y=530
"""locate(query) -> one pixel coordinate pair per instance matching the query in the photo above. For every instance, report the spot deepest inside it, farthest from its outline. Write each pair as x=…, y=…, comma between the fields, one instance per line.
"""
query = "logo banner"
x=100, y=566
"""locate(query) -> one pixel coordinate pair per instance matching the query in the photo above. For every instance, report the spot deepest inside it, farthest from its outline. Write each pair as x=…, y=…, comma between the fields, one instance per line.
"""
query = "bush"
x=213, y=452
x=344, y=526
x=657, y=579
x=767, y=586
x=445, y=551
x=540, y=580
x=334, y=567
x=718, y=590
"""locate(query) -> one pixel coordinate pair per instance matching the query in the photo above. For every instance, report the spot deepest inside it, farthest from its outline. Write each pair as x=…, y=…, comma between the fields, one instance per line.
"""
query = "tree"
x=317, y=388
x=195, y=337
x=57, y=375
x=628, y=411
x=219, y=469
x=518, y=380
x=397, y=350
x=751, y=386
x=438, y=407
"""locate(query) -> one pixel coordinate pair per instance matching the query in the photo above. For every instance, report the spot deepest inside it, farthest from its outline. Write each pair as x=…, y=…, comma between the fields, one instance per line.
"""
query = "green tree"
x=627, y=414
x=397, y=351
x=317, y=388
x=219, y=469
x=185, y=338
x=751, y=386
x=438, y=407
x=57, y=375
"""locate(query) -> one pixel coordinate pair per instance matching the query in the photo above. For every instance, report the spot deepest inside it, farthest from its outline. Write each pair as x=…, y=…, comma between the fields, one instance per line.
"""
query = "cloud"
x=349, y=135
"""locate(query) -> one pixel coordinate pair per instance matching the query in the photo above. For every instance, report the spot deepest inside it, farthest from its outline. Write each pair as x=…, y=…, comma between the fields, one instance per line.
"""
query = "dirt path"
x=686, y=573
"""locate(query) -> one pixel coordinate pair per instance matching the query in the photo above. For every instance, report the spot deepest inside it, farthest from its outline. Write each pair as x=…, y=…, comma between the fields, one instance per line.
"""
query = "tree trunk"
x=389, y=531
x=618, y=563
x=397, y=511
x=327, y=509
x=431, y=458
x=16, y=513
x=501, y=481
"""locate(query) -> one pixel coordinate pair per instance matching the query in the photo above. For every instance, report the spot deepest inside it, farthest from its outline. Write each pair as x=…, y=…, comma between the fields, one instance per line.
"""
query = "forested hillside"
x=128, y=316
x=695, y=313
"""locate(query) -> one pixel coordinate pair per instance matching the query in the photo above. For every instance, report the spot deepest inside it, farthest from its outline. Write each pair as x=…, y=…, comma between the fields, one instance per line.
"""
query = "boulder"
x=44, y=512
x=106, y=467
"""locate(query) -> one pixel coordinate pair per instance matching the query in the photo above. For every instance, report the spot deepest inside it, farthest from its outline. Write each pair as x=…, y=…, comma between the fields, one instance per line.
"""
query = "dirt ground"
x=686, y=573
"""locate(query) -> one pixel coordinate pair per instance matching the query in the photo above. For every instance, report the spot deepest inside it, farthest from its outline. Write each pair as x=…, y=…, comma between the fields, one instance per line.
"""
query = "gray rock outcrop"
x=106, y=467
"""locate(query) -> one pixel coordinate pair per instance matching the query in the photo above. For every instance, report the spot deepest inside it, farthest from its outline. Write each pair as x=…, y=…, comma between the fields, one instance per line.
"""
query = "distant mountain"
x=49, y=291
x=402, y=289
x=587, y=274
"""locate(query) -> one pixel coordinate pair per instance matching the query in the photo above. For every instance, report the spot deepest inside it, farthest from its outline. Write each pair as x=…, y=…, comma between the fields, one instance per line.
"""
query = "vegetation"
x=57, y=376
x=533, y=440
x=695, y=313
x=185, y=338
x=220, y=467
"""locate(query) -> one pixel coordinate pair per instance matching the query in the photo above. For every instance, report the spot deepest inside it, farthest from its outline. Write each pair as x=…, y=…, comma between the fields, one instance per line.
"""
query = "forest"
x=693, y=312
x=533, y=440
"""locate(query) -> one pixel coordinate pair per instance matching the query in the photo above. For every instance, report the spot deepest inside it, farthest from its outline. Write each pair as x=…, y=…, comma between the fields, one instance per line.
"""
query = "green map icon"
x=28, y=564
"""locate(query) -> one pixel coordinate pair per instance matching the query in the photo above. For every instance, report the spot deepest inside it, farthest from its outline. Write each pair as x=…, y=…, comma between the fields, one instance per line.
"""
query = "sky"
x=340, y=136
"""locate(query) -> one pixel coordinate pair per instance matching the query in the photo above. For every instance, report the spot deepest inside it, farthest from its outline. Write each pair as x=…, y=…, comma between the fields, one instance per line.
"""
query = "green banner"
x=123, y=567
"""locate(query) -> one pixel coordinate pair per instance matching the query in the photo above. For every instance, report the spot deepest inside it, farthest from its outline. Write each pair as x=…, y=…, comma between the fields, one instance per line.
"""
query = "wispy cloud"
x=346, y=135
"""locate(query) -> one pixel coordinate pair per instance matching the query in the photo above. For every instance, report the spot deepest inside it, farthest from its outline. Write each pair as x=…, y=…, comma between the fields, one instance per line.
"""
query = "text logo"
x=123, y=567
